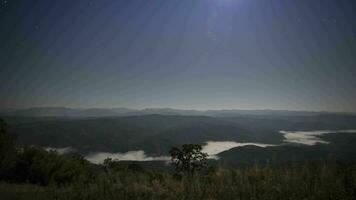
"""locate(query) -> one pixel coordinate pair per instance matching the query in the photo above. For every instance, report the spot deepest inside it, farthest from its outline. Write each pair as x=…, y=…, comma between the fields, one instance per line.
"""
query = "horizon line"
x=173, y=108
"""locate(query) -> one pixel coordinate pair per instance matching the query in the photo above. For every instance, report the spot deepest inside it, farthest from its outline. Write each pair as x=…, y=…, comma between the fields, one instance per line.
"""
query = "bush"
x=38, y=166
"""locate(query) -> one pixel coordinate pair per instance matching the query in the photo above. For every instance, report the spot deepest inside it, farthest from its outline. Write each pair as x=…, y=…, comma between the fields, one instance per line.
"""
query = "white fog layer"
x=309, y=137
x=98, y=158
x=60, y=151
x=212, y=148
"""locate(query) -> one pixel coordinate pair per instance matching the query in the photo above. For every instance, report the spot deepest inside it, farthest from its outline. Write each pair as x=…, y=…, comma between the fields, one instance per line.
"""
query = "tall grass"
x=307, y=181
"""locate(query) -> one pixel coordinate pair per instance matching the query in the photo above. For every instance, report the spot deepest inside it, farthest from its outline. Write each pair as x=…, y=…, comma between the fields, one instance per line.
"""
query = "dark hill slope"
x=153, y=133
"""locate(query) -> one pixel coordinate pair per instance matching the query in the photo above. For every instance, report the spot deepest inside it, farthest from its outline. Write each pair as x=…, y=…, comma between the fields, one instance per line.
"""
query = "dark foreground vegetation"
x=314, y=181
x=34, y=173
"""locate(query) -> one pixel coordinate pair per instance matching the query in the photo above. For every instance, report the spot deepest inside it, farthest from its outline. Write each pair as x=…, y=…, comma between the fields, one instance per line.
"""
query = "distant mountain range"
x=110, y=112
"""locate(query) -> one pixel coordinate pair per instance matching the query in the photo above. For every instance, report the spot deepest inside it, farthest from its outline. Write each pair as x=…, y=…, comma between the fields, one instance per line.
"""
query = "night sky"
x=188, y=54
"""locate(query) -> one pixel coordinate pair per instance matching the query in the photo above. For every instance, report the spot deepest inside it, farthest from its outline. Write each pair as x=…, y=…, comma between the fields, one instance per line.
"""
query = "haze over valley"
x=147, y=135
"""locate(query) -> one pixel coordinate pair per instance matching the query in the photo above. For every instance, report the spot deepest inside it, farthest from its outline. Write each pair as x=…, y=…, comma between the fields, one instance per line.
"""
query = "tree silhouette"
x=7, y=151
x=6, y=141
x=188, y=159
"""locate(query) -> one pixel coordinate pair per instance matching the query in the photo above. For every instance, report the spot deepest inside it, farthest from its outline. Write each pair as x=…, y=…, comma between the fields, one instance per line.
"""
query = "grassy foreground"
x=307, y=181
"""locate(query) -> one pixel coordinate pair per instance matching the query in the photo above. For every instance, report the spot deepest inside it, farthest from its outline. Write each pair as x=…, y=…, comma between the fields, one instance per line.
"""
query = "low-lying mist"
x=309, y=137
x=212, y=148
x=63, y=150
x=140, y=155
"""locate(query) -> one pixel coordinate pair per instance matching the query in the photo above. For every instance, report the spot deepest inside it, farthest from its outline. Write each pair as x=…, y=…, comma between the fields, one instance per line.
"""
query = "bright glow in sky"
x=204, y=54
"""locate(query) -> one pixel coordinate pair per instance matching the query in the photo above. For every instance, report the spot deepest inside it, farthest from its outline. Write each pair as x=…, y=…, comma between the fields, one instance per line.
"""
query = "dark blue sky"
x=194, y=54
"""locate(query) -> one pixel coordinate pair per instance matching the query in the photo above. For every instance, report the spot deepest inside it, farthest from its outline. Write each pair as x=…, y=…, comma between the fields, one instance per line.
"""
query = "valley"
x=239, y=139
